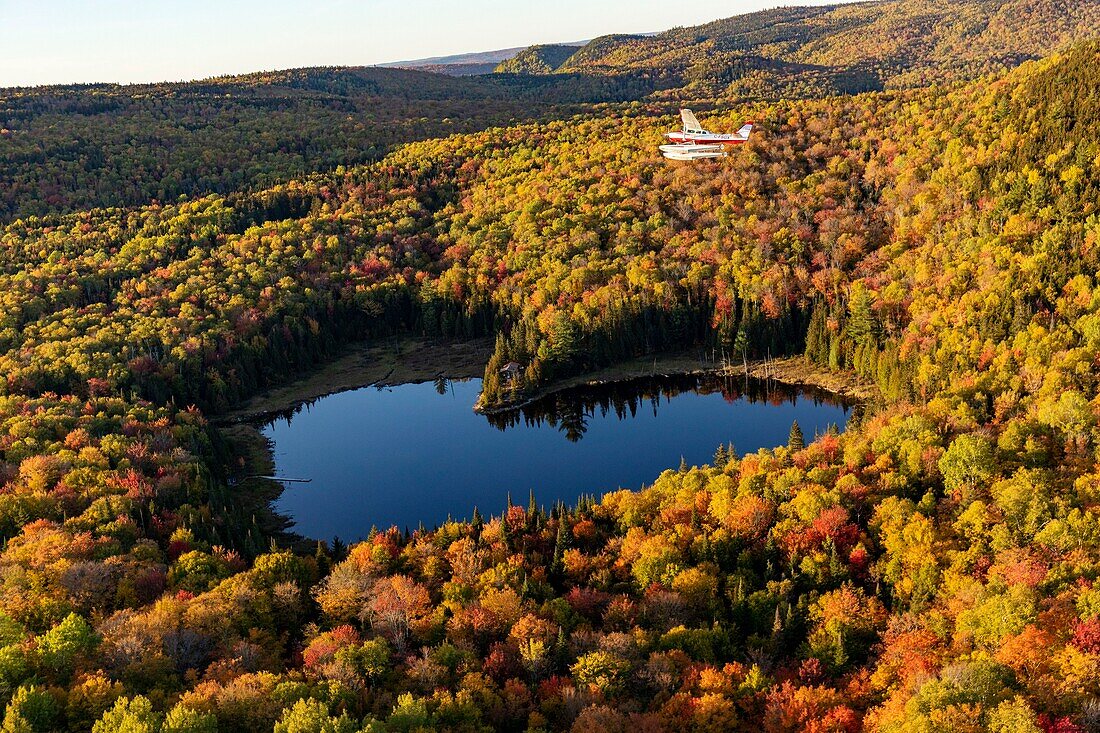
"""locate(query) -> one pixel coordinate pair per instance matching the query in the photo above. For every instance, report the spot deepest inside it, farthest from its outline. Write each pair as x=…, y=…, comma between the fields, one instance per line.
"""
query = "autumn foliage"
x=931, y=568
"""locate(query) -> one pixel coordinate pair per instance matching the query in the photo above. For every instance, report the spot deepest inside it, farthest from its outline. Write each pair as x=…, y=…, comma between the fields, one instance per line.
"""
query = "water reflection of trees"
x=443, y=386
x=570, y=410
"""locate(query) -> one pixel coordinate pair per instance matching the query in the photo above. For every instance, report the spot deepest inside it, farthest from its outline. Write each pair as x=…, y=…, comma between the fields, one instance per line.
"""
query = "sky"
x=67, y=41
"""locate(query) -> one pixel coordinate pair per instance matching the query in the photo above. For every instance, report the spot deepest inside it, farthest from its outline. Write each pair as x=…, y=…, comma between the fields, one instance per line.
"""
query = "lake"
x=418, y=453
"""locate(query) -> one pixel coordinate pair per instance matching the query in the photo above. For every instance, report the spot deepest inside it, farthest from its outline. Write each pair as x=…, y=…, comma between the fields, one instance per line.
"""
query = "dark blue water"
x=408, y=455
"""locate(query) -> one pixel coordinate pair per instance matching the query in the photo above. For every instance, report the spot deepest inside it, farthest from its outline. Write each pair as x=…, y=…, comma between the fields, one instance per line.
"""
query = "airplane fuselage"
x=704, y=138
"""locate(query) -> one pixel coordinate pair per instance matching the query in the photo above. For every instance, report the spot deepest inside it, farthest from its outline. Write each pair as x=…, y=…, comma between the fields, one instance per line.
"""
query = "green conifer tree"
x=561, y=544
x=796, y=441
x=863, y=326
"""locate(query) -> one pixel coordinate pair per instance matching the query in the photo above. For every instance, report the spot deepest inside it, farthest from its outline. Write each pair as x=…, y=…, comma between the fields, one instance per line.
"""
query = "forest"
x=931, y=568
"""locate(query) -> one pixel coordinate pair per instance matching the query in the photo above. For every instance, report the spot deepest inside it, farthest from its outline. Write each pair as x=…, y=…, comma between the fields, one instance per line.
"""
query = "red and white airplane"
x=694, y=133
x=695, y=143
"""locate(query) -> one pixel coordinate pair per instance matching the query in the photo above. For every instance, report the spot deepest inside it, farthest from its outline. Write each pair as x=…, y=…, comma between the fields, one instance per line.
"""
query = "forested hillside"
x=537, y=60
x=72, y=148
x=807, y=51
x=932, y=568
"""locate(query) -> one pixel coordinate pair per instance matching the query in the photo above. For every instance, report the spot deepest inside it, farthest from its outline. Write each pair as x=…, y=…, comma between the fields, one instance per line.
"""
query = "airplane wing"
x=690, y=123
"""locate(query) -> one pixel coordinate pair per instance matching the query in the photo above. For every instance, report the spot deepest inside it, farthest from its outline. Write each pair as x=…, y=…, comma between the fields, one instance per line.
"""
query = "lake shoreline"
x=413, y=360
x=416, y=453
x=381, y=363
x=416, y=360
x=795, y=371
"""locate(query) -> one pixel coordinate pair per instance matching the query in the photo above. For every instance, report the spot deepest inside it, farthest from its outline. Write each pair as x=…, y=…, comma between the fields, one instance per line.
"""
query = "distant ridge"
x=477, y=62
x=542, y=59
x=477, y=57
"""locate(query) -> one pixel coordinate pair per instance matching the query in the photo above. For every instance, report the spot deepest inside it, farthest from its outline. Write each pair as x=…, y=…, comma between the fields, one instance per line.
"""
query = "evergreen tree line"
x=630, y=329
x=851, y=337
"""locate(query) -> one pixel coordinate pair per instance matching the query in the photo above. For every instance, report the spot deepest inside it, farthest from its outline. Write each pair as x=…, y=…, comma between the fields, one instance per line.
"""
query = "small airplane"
x=695, y=143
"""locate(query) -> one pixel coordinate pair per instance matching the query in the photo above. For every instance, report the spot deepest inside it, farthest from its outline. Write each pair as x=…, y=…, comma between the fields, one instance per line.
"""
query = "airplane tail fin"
x=745, y=130
x=690, y=123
